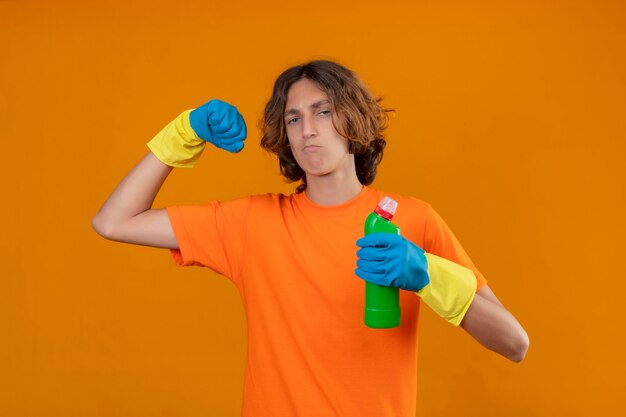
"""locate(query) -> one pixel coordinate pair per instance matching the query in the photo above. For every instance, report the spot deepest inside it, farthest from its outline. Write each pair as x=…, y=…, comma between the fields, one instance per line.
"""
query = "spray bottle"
x=382, y=307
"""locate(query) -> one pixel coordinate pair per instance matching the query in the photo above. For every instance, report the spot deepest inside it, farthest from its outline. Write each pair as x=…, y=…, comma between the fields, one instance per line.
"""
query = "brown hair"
x=357, y=116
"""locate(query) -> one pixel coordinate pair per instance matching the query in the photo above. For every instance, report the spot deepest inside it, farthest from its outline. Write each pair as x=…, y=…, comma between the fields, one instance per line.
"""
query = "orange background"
x=510, y=121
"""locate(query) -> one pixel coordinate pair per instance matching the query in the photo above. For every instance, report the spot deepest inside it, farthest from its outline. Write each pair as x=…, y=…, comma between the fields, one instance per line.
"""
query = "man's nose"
x=308, y=127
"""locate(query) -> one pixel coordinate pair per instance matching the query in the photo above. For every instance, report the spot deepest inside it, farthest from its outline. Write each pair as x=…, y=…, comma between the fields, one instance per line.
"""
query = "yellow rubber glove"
x=451, y=289
x=177, y=145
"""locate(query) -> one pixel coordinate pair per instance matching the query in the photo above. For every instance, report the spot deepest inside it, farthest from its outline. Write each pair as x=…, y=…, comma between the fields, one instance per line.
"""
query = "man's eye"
x=325, y=112
x=292, y=120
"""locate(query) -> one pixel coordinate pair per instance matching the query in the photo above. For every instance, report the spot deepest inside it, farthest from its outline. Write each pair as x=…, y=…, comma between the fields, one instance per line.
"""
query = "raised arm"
x=127, y=215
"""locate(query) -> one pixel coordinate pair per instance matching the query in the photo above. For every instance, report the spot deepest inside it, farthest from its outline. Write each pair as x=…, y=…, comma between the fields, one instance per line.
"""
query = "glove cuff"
x=451, y=290
x=177, y=144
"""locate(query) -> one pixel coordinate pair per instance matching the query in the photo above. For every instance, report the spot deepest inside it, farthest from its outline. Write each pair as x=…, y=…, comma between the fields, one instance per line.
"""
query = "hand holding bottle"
x=393, y=261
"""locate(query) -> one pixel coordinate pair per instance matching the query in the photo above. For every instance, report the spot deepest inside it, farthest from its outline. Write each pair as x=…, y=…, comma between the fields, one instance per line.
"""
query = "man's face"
x=314, y=141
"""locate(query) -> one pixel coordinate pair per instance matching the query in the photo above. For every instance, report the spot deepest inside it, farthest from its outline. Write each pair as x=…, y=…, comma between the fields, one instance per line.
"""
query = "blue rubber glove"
x=391, y=260
x=219, y=123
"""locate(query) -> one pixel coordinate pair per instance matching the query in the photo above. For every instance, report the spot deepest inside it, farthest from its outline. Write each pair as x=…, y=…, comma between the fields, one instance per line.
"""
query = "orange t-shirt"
x=309, y=353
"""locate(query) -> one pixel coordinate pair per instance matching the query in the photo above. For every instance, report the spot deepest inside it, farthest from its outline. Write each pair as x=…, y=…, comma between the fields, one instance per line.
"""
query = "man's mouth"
x=309, y=148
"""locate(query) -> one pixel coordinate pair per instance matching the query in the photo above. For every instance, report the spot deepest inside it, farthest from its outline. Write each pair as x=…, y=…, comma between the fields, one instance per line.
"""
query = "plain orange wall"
x=510, y=121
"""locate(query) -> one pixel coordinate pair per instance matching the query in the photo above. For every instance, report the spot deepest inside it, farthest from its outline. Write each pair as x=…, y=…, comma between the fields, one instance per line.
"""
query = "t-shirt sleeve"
x=439, y=240
x=210, y=235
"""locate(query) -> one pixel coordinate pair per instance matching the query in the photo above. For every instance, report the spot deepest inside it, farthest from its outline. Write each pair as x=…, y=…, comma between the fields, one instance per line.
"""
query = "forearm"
x=133, y=196
x=494, y=327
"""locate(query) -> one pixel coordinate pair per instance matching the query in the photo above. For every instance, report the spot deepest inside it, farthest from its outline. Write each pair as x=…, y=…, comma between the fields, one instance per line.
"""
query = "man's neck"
x=332, y=190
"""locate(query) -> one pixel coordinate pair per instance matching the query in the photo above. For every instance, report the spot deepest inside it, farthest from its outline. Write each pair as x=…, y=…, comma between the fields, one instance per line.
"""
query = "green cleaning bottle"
x=382, y=306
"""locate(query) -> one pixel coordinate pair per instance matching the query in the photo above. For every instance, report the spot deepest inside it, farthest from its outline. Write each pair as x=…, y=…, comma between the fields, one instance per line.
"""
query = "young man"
x=293, y=257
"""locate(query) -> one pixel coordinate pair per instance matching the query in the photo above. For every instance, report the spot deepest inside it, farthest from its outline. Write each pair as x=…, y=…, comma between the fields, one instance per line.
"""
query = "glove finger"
x=230, y=119
x=380, y=269
x=394, y=282
x=228, y=142
x=234, y=139
x=367, y=241
x=238, y=122
x=235, y=147
x=371, y=254
x=224, y=126
x=369, y=266
x=242, y=130
x=379, y=240
x=388, y=239
x=216, y=110
x=234, y=131
x=240, y=137
x=215, y=124
x=370, y=277
x=378, y=274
